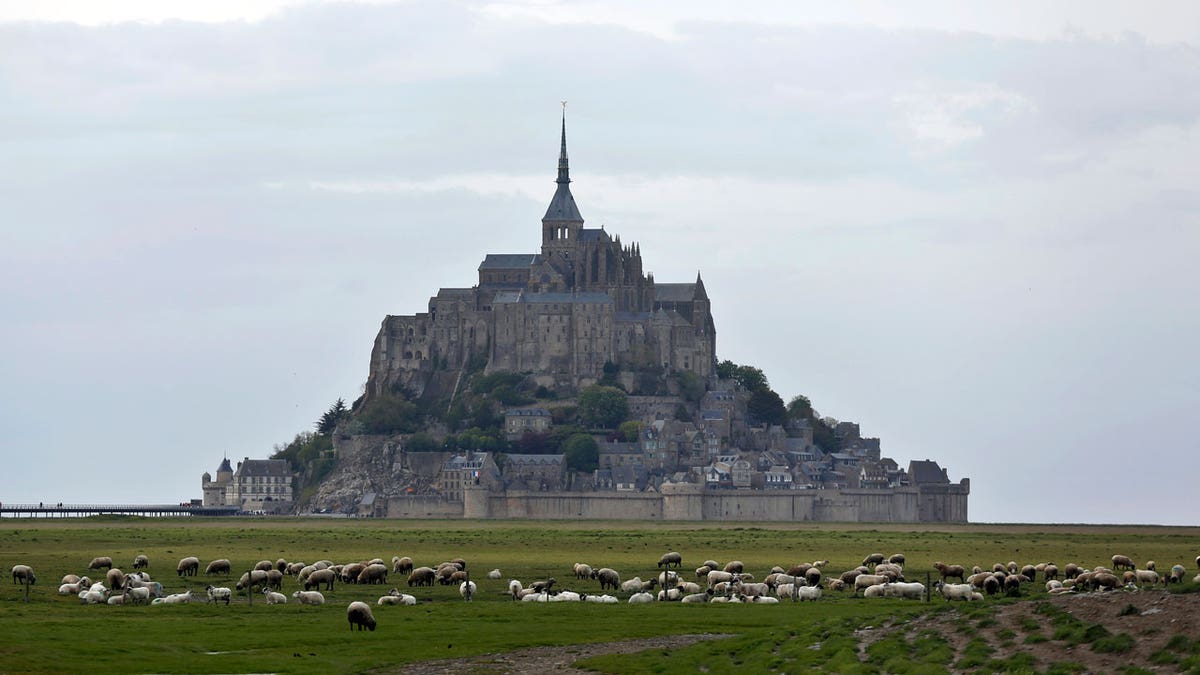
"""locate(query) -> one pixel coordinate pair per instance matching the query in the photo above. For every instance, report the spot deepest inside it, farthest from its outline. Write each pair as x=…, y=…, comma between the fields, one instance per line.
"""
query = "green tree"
x=691, y=387
x=630, y=431
x=751, y=378
x=766, y=407
x=329, y=421
x=421, y=442
x=800, y=408
x=581, y=453
x=603, y=407
x=389, y=414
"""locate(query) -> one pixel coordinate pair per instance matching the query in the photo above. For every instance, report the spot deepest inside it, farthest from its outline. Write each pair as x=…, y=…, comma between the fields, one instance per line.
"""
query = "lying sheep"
x=636, y=585
x=309, y=597
x=641, y=598
x=494, y=575
x=395, y=597
x=873, y=591
x=218, y=594
x=359, y=614
x=23, y=574
x=140, y=561
x=601, y=599
x=274, y=598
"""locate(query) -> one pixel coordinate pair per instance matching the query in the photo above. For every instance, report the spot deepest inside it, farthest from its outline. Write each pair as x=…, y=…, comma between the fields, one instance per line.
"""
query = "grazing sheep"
x=799, y=569
x=608, y=578
x=422, y=576
x=402, y=565
x=375, y=573
x=813, y=576
x=188, y=567
x=641, y=598
x=896, y=559
x=140, y=561
x=849, y=576
x=1050, y=571
x=894, y=572
x=467, y=590
x=1176, y=574
x=712, y=564
x=274, y=598
x=717, y=576
x=101, y=561
x=583, y=571
x=309, y=597
x=318, y=577
x=23, y=574
x=863, y=581
x=1150, y=565
x=1123, y=562
x=359, y=614
x=1029, y=572
x=734, y=567
x=494, y=575
x=264, y=565
x=218, y=593
x=294, y=569
x=669, y=560
x=873, y=559
x=948, y=571
x=1146, y=577
x=1012, y=584
x=115, y=578
x=702, y=571
x=349, y=573
x=253, y=578
x=668, y=579
x=991, y=584
x=218, y=566
x=281, y=565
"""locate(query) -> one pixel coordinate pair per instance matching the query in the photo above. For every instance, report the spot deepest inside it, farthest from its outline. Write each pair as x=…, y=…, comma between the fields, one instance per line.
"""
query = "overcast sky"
x=972, y=231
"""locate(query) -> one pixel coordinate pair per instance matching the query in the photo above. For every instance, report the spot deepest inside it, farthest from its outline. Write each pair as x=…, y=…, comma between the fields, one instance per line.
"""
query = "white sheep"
x=1146, y=577
x=689, y=587
x=116, y=599
x=601, y=599
x=910, y=590
x=957, y=591
x=398, y=599
x=309, y=597
x=764, y=600
x=873, y=591
x=467, y=590
x=530, y=595
x=139, y=595
x=23, y=574
x=494, y=575
x=274, y=598
x=70, y=589
x=863, y=581
x=812, y=593
x=695, y=598
x=641, y=598
x=633, y=585
x=515, y=588
x=218, y=594
x=717, y=576
x=583, y=571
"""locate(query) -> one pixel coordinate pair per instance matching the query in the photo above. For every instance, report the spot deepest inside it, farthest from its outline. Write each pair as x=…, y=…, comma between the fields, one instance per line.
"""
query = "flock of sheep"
x=878, y=576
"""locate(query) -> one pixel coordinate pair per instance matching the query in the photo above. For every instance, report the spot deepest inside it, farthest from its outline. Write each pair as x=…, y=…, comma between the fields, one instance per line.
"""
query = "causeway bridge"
x=60, y=510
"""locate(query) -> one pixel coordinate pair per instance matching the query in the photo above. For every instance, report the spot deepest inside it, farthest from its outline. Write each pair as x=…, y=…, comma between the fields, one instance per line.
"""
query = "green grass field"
x=56, y=633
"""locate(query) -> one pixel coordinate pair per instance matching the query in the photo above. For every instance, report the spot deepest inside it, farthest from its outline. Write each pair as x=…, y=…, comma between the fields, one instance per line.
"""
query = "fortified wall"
x=689, y=502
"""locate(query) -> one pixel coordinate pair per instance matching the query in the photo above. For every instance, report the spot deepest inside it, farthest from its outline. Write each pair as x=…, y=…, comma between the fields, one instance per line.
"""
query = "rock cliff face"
x=371, y=464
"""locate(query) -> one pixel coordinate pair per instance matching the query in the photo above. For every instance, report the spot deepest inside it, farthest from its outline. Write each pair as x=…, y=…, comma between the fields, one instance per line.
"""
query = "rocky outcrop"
x=370, y=464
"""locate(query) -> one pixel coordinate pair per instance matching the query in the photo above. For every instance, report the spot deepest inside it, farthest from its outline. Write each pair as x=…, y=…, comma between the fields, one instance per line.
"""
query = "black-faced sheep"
x=188, y=567
x=1123, y=562
x=873, y=559
x=1176, y=574
x=140, y=561
x=218, y=594
x=23, y=574
x=608, y=578
x=669, y=560
x=359, y=614
x=100, y=562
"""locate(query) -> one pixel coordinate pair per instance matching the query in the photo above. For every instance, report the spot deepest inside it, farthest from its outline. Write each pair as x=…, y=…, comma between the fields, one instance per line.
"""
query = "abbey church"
x=580, y=303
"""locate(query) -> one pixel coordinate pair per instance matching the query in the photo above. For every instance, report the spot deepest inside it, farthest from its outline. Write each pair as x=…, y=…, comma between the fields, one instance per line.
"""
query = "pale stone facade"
x=256, y=485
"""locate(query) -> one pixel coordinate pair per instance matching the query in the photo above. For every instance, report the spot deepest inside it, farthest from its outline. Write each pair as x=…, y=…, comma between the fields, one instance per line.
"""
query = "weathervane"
x=564, y=106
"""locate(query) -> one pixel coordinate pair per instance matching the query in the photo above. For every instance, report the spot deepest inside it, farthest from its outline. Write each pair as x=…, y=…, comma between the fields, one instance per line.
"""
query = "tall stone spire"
x=562, y=206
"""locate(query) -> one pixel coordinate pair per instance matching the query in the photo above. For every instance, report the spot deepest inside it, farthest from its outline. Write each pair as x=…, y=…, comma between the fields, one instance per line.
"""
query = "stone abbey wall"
x=927, y=504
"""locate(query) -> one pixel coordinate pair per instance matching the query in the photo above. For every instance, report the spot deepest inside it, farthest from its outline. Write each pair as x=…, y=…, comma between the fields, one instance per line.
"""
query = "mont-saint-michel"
x=570, y=383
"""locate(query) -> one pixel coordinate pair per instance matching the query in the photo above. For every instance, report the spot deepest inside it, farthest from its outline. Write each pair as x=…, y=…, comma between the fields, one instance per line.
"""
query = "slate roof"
x=528, y=460
x=527, y=412
x=927, y=472
x=263, y=467
x=674, y=292
x=508, y=261
x=592, y=234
